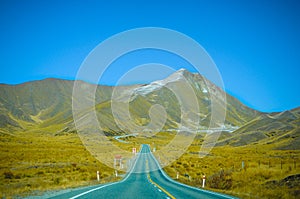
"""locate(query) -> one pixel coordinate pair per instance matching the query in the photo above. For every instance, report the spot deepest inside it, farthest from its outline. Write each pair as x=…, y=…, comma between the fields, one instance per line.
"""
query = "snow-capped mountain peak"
x=146, y=89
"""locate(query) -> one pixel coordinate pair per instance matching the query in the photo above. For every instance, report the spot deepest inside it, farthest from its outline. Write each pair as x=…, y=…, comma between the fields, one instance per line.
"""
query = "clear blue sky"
x=255, y=44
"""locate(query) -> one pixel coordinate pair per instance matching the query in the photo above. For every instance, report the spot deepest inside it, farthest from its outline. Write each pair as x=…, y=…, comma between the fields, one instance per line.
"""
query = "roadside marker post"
x=203, y=181
x=134, y=151
x=117, y=161
x=98, y=176
x=177, y=175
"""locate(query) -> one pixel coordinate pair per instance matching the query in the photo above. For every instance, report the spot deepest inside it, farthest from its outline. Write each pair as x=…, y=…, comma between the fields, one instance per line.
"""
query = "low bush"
x=220, y=180
x=8, y=175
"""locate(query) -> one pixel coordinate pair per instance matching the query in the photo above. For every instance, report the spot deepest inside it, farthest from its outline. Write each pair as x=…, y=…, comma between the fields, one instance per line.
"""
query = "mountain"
x=43, y=103
x=49, y=102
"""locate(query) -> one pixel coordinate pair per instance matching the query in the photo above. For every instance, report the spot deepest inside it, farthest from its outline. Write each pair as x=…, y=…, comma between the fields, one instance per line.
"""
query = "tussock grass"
x=223, y=167
x=44, y=160
x=40, y=160
x=240, y=171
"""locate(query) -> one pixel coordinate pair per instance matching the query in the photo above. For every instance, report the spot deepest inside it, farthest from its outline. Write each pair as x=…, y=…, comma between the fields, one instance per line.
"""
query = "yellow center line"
x=165, y=191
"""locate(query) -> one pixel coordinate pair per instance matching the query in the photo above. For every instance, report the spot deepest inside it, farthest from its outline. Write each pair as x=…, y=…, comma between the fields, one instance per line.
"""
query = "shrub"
x=221, y=180
x=8, y=175
x=18, y=176
x=40, y=173
x=57, y=181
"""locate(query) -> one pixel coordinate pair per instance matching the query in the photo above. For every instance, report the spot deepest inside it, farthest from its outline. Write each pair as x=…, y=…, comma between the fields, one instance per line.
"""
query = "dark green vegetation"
x=40, y=148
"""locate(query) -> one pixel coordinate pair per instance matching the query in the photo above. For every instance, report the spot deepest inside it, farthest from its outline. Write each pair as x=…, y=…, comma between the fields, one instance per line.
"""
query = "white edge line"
x=184, y=185
x=93, y=190
x=103, y=186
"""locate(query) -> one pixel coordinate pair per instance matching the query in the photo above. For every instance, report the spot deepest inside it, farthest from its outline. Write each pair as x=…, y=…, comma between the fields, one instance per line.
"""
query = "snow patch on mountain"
x=146, y=89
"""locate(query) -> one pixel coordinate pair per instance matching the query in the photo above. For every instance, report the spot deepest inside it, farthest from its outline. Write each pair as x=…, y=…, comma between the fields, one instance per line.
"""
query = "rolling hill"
x=40, y=149
x=49, y=102
x=281, y=128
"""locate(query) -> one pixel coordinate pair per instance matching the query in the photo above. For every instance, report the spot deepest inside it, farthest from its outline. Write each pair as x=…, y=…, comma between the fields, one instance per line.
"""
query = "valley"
x=257, y=154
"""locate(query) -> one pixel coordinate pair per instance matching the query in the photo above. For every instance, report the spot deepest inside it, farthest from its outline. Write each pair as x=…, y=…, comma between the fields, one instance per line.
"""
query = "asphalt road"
x=145, y=180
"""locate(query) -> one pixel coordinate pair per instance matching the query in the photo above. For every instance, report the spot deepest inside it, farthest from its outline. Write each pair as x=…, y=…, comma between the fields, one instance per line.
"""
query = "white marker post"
x=177, y=175
x=98, y=176
x=134, y=151
x=203, y=181
x=116, y=172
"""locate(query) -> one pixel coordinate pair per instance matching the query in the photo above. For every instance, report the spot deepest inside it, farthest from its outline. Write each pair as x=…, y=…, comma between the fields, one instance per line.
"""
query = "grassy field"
x=43, y=160
x=241, y=171
x=252, y=171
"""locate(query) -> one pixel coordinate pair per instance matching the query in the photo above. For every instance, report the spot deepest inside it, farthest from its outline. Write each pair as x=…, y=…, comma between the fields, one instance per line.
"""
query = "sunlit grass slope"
x=42, y=159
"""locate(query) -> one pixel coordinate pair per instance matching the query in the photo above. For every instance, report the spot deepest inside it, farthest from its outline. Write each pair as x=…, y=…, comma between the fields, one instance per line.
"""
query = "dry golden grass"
x=42, y=160
x=36, y=160
x=223, y=167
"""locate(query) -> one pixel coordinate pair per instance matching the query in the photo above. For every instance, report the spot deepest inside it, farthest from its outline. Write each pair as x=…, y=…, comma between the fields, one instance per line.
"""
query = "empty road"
x=145, y=180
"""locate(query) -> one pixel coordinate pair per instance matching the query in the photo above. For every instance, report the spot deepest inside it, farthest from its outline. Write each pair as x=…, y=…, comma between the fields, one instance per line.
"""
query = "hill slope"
x=282, y=128
x=49, y=102
x=40, y=150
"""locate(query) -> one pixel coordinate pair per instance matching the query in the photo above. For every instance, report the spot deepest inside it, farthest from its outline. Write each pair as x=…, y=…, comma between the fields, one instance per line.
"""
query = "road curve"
x=146, y=179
